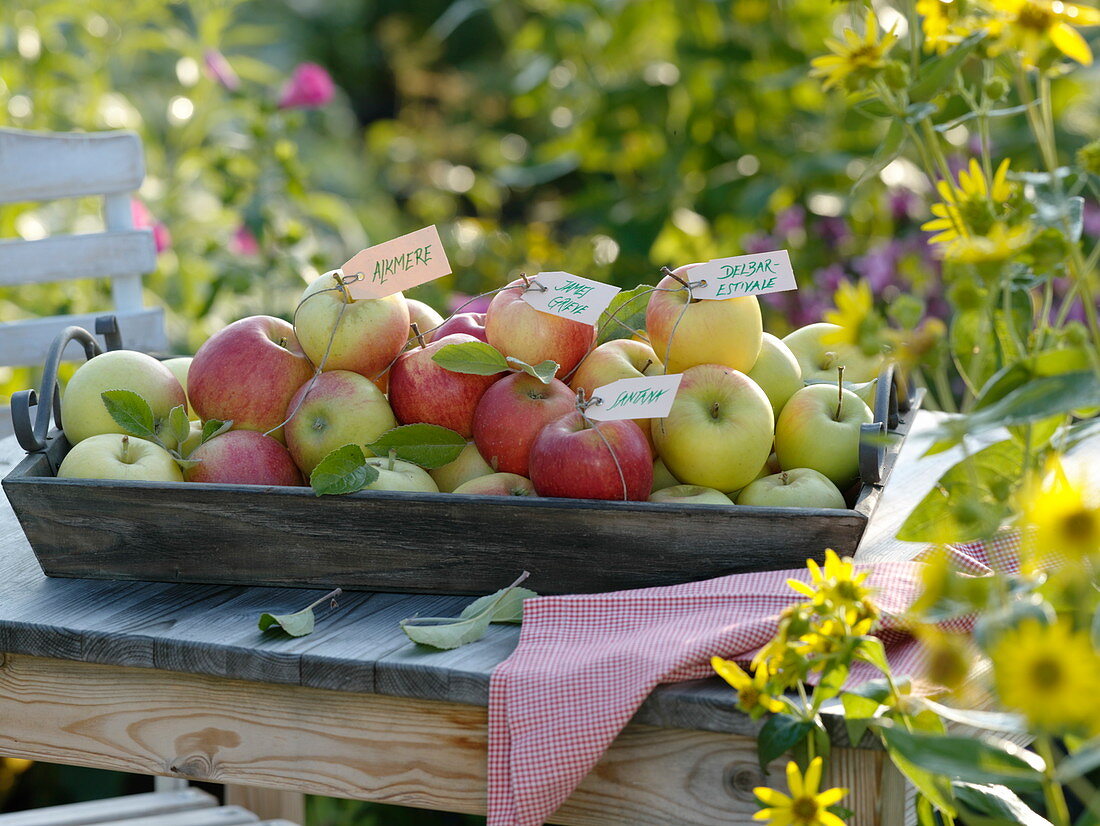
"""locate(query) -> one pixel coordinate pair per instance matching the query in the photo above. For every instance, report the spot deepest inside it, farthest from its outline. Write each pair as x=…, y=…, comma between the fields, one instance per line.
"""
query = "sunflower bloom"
x=854, y=311
x=1064, y=522
x=805, y=806
x=1030, y=27
x=856, y=60
x=970, y=206
x=752, y=695
x=999, y=244
x=837, y=584
x=1048, y=673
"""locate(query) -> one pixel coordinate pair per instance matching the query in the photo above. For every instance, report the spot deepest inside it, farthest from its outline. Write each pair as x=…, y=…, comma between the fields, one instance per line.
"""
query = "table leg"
x=269, y=804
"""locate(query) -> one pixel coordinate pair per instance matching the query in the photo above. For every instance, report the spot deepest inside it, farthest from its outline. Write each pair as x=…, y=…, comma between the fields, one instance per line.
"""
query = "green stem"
x=1057, y=810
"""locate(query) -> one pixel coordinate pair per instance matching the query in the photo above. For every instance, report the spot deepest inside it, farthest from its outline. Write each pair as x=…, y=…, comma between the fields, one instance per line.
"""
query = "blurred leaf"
x=994, y=805
x=966, y=759
x=936, y=73
x=887, y=151
x=780, y=734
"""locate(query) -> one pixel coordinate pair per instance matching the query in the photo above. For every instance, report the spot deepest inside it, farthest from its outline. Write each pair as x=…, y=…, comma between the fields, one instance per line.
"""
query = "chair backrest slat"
x=69, y=257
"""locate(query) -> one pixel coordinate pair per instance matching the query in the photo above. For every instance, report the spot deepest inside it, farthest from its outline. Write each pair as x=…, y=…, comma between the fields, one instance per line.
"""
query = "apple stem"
x=418, y=334
x=715, y=408
x=784, y=478
x=648, y=362
x=839, y=391
x=282, y=342
x=393, y=458
x=126, y=449
x=674, y=276
x=526, y=280
x=330, y=595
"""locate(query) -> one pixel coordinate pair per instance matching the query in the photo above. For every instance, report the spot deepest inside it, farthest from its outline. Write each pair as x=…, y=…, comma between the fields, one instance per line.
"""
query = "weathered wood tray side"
x=383, y=541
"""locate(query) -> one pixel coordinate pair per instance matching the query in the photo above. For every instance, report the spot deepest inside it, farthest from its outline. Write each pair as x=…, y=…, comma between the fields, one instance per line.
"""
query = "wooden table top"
x=357, y=647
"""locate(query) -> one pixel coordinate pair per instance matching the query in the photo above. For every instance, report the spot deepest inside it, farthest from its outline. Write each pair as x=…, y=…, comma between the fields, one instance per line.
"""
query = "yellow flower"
x=971, y=206
x=1049, y=674
x=856, y=60
x=948, y=656
x=943, y=24
x=838, y=584
x=1030, y=27
x=1064, y=522
x=752, y=696
x=854, y=305
x=1000, y=243
x=805, y=806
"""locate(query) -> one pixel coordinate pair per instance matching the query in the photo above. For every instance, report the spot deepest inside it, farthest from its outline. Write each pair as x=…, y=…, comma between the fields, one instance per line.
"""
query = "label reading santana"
x=765, y=272
x=649, y=397
x=570, y=296
x=397, y=265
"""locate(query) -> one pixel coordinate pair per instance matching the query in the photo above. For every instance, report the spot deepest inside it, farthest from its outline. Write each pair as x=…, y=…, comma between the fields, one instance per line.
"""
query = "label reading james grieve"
x=397, y=265
x=570, y=296
x=648, y=397
x=764, y=272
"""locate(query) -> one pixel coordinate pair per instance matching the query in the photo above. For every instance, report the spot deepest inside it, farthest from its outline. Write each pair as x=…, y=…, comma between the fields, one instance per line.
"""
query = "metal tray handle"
x=891, y=399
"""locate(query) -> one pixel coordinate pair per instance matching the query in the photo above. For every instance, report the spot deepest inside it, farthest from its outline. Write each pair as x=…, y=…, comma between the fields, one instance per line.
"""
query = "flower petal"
x=813, y=777
x=830, y=796
x=794, y=779
x=1070, y=43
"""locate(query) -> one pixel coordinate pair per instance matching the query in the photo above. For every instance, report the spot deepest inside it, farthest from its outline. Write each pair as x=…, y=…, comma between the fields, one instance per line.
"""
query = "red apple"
x=569, y=458
x=614, y=360
x=243, y=457
x=498, y=484
x=422, y=391
x=510, y=416
x=248, y=372
x=517, y=329
x=472, y=324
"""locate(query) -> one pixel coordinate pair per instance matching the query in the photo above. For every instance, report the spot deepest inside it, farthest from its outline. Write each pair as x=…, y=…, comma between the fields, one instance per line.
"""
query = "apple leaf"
x=508, y=609
x=186, y=464
x=427, y=445
x=131, y=412
x=178, y=422
x=475, y=357
x=299, y=623
x=345, y=470
x=618, y=320
x=544, y=371
x=446, y=633
x=212, y=428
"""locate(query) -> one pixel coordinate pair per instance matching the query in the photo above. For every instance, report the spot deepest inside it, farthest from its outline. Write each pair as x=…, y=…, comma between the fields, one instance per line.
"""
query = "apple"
x=662, y=477
x=580, y=459
x=194, y=437
x=369, y=334
x=620, y=359
x=498, y=484
x=115, y=456
x=777, y=372
x=339, y=408
x=179, y=367
x=473, y=324
x=719, y=431
x=819, y=360
x=510, y=415
x=395, y=474
x=865, y=390
x=243, y=457
x=248, y=372
x=424, y=317
x=795, y=488
x=519, y=330
x=727, y=331
x=82, y=409
x=819, y=429
x=469, y=465
x=691, y=495
x=423, y=391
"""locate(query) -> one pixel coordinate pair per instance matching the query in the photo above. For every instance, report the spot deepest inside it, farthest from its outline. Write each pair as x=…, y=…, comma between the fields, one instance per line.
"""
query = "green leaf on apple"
x=345, y=470
x=446, y=633
x=185, y=464
x=475, y=357
x=179, y=424
x=212, y=428
x=427, y=445
x=618, y=320
x=299, y=623
x=544, y=371
x=131, y=412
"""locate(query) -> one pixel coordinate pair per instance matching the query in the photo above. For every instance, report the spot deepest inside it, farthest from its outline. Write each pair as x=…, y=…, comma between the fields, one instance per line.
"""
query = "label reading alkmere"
x=765, y=272
x=397, y=265
x=570, y=296
x=648, y=397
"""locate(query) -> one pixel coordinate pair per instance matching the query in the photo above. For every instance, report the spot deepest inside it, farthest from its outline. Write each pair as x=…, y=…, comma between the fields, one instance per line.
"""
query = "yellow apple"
x=469, y=465
x=819, y=429
x=115, y=456
x=179, y=367
x=819, y=359
x=777, y=372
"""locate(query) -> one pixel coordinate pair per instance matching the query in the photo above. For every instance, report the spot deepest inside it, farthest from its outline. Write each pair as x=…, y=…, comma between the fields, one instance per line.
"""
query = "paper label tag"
x=397, y=265
x=648, y=397
x=764, y=272
x=570, y=296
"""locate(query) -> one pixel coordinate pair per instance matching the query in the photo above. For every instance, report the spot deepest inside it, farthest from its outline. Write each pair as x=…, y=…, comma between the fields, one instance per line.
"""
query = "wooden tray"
x=419, y=542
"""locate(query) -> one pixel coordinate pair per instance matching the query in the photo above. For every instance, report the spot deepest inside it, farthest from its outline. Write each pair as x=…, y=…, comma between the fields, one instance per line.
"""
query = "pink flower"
x=143, y=218
x=309, y=87
x=462, y=303
x=244, y=242
x=218, y=68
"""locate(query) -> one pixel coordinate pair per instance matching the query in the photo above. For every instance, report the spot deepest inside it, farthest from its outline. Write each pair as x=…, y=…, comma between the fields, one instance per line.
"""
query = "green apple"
x=691, y=495
x=424, y=317
x=395, y=474
x=82, y=408
x=777, y=372
x=865, y=390
x=719, y=431
x=819, y=359
x=179, y=367
x=498, y=484
x=819, y=429
x=193, y=440
x=469, y=465
x=662, y=477
x=796, y=488
x=115, y=456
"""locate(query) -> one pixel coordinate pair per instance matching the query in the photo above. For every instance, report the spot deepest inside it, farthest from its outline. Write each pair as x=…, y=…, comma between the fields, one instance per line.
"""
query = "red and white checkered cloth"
x=585, y=663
